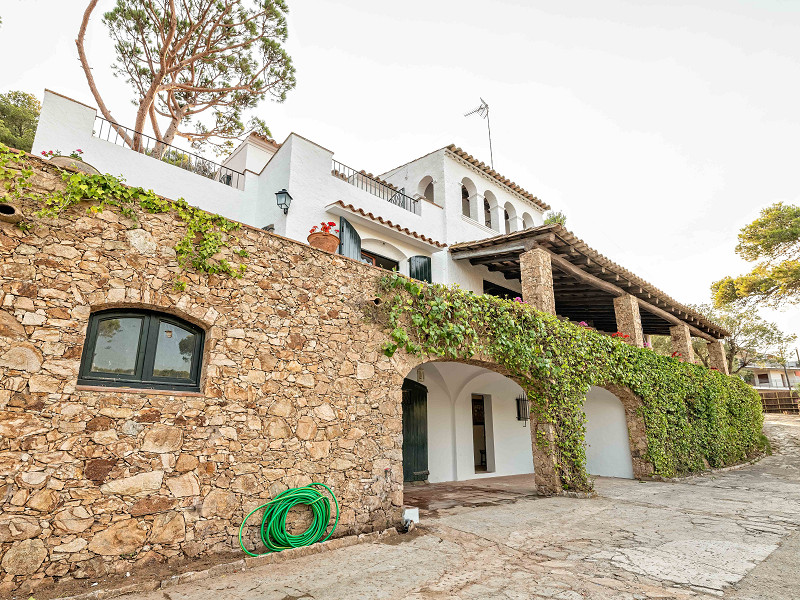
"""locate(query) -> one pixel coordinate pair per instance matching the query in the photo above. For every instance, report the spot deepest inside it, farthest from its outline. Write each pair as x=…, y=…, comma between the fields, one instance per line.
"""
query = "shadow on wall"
x=608, y=451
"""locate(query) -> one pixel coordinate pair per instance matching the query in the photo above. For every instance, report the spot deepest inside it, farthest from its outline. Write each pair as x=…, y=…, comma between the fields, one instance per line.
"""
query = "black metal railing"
x=362, y=180
x=150, y=146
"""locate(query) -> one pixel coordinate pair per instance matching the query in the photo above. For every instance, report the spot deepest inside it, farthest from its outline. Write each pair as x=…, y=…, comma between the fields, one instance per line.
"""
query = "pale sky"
x=659, y=128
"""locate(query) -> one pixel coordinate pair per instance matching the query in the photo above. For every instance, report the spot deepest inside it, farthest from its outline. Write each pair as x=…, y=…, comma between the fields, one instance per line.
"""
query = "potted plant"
x=74, y=160
x=321, y=237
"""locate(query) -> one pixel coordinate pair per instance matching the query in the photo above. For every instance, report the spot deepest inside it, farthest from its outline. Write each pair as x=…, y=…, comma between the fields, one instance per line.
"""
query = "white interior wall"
x=608, y=450
x=450, y=443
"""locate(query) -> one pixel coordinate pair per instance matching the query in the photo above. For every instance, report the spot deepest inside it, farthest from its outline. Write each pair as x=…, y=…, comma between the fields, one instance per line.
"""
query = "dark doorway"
x=479, y=432
x=377, y=260
x=492, y=289
x=415, y=431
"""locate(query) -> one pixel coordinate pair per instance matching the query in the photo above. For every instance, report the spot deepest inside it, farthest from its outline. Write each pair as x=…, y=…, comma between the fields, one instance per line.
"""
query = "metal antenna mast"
x=483, y=112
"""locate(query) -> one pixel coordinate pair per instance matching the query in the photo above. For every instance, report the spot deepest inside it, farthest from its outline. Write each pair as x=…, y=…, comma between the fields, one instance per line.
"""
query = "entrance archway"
x=472, y=426
x=608, y=451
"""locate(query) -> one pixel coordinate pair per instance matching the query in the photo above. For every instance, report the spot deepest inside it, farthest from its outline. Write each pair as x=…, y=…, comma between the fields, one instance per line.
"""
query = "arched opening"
x=490, y=214
x=460, y=422
x=468, y=193
x=425, y=188
x=380, y=253
x=510, y=214
x=608, y=449
x=527, y=221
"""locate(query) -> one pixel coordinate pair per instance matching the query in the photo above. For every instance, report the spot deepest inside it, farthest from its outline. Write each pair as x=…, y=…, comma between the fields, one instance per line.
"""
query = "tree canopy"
x=555, y=217
x=195, y=67
x=751, y=337
x=19, y=114
x=773, y=241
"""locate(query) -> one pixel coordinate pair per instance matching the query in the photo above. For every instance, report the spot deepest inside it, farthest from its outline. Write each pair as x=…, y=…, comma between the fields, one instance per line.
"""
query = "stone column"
x=716, y=356
x=536, y=274
x=629, y=321
x=682, y=342
x=545, y=466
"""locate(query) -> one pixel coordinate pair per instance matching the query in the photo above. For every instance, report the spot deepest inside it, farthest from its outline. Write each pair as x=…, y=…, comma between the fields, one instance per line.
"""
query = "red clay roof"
x=388, y=223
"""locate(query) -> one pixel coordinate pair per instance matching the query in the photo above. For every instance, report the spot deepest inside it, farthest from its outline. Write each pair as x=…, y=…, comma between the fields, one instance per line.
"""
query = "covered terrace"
x=561, y=275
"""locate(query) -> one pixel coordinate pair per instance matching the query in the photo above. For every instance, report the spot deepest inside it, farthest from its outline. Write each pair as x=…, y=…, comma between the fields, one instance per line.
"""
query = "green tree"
x=555, y=217
x=19, y=114
x=195, y=67
x=773, y=241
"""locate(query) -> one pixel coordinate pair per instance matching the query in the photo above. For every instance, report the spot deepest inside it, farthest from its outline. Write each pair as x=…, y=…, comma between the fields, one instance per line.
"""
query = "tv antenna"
x=483, y=112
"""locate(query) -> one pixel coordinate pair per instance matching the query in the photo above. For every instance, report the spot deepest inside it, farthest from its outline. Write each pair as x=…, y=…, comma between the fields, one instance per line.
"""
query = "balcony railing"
x=104, y=130
x=382, y=190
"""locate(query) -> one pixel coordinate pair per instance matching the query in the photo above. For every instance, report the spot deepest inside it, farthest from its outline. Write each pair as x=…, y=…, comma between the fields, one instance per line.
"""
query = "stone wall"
x=294, y=390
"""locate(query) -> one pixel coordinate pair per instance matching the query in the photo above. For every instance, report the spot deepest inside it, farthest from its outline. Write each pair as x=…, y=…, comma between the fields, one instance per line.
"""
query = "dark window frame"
x=142, y=377
x=372, y=258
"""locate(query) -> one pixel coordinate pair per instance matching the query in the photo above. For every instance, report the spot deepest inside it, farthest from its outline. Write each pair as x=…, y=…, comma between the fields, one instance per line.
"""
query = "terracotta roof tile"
x=492, y=173
x=388, y=223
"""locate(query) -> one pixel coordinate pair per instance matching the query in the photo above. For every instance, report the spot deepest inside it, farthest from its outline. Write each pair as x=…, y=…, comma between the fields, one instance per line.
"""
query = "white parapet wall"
x=66, y=125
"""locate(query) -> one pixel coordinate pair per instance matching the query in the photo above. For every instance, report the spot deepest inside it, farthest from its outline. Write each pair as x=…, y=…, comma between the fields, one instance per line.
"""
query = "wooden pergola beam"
x=568, y=267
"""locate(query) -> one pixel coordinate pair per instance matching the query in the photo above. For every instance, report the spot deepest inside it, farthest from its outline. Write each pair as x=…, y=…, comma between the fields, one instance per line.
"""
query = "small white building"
x=445, y=217
x=769, y=375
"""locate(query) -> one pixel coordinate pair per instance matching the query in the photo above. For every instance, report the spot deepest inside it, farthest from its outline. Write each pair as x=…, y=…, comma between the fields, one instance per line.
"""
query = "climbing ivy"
x=694, y=417
x=206, y=234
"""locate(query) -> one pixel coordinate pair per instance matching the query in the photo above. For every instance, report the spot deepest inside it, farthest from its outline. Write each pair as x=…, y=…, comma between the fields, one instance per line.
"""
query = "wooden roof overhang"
x=585, y=282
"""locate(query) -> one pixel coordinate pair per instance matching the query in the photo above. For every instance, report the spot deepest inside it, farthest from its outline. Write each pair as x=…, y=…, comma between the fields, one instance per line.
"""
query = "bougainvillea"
x=694, y=417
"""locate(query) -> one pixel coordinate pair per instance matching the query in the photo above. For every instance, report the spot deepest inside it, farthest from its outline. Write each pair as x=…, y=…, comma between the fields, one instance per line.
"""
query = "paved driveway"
x=733, y=535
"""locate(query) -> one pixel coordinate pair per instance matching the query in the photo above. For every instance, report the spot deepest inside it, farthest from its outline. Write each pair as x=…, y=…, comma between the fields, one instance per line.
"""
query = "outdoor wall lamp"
x=523, y=410
x=284, y=200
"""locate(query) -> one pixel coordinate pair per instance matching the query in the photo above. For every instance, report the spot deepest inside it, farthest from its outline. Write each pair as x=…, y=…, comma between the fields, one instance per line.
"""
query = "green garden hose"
x=273, y=523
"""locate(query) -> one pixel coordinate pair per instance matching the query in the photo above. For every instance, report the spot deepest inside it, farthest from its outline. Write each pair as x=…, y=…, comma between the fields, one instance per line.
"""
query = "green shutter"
x=419, y=267
x=415, y=431
x=349, y=240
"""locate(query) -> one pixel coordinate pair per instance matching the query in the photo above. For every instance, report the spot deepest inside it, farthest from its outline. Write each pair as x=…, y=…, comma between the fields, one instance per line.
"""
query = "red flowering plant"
x=75, y=154
x=324, y=227
x=620, y=335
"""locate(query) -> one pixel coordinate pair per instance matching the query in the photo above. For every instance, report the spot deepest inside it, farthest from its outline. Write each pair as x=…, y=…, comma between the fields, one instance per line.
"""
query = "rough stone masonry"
x=294, y=388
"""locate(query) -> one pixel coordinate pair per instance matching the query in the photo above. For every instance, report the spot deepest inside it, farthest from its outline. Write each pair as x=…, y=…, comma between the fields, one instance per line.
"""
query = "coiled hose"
x=273, y=523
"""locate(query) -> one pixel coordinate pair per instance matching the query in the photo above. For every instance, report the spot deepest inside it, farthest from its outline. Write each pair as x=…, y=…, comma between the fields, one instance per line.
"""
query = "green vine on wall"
x=694, y=417
x=206, y=234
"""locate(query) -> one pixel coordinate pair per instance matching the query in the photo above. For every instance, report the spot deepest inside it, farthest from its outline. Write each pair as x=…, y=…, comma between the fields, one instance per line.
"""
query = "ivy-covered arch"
x=693, y=417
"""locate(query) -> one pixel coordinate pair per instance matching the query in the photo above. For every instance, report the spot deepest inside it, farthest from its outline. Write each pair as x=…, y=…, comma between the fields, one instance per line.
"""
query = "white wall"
x=304, y=169
x=450, y=443
x=607, y=447
x=66, y=125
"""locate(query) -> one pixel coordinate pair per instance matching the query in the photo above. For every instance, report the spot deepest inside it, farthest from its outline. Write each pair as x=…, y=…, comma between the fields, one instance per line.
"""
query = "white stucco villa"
x=446, y=218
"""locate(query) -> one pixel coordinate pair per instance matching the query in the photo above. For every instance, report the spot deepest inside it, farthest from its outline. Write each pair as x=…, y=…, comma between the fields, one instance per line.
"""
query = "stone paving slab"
x=734, y=535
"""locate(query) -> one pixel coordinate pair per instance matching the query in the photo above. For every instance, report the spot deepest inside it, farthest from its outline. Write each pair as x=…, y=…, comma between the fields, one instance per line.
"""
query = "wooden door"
x=415, y=431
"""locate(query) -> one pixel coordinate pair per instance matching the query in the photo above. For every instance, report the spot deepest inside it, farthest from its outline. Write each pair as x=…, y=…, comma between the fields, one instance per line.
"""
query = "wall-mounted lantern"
x=420, y=374
x=523, y=409
x=284, y=200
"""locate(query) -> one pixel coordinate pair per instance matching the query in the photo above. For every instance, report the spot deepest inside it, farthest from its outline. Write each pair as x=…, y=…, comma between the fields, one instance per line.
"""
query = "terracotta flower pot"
x=79, y=165
x=10, y=213
x=323, y=241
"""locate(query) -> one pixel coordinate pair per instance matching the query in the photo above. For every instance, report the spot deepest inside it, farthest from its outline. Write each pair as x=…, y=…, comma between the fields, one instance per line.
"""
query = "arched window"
x=429, y=192
x=487, y=213
x=141, y=349
x=507, y=221
x=425, y=188
x=527, y=221
x=464, y=201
